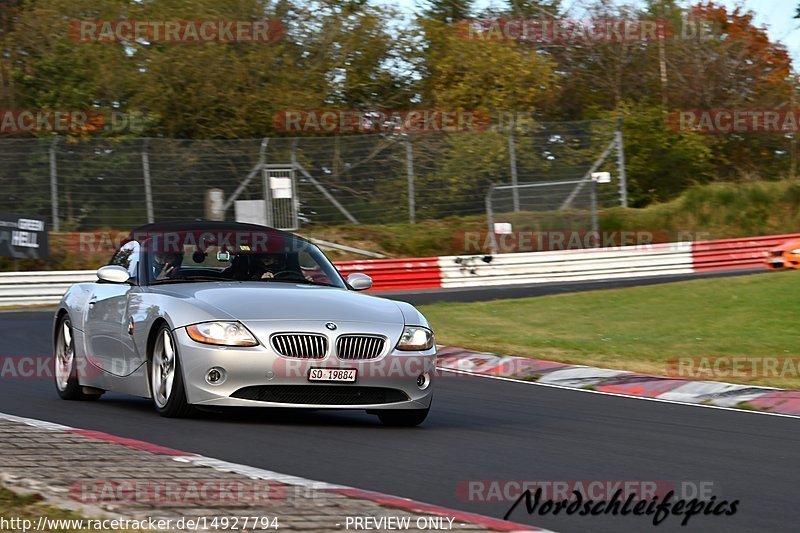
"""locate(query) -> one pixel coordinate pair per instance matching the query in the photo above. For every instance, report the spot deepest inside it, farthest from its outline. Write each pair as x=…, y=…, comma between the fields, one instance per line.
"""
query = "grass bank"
x=641, y=328
x=715, y=211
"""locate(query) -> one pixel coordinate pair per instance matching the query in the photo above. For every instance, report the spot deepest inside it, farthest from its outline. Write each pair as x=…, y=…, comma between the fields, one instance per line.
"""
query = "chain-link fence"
x=78, y=183
x=561, y=207
x=539, y=209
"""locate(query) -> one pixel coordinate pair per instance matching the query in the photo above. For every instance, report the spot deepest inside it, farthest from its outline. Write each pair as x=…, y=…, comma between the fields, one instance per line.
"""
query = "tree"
x=533, y=9
x=663, y=162
x=448, y=11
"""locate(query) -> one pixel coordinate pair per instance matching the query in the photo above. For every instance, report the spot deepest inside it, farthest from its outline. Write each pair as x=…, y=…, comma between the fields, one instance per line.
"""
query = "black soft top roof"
x=207, y=225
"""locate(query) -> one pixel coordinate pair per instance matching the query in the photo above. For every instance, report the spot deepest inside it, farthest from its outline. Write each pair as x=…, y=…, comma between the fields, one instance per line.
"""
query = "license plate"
x=343, y=375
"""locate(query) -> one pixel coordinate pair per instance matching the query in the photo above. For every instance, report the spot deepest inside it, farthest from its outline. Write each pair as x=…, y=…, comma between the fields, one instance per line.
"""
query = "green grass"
x=640, y=328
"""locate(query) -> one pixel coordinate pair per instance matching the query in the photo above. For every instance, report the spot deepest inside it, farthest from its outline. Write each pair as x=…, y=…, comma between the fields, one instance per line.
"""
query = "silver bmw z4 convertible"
x=218, y=314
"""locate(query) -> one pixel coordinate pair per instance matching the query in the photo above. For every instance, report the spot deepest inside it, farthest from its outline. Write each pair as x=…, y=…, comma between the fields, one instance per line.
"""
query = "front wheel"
x=65, y=367
x=166, y=379
x=403, y=417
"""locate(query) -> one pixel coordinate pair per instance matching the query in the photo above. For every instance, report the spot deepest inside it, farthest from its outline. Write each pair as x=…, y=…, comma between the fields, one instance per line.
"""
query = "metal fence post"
x=490, y=221
x=623, y=178
x=595, y=225
x=512, y=159
x=54, y=185
x=588, y=176
x=262, y=159
x=148, y=190
x=412, y=207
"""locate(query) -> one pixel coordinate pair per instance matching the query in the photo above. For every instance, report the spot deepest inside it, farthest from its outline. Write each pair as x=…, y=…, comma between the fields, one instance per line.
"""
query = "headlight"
x=795, y=252
x=416, y=338
x=221, y=333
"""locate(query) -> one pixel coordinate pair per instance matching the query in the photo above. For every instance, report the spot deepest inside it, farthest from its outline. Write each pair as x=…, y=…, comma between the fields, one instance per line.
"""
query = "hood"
x=284, y=301
x=787, y=245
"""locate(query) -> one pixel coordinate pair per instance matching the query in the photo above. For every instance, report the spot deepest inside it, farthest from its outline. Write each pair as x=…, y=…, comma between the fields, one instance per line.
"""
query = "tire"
x=65, y=371
x=165, y=377
x=403, y=417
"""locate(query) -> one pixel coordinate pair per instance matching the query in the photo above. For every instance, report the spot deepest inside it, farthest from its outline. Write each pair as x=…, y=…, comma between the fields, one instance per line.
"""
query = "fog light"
x=215, y=376
x=423, y=380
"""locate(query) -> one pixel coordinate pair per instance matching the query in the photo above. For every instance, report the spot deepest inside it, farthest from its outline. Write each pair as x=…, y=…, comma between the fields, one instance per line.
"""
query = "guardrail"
x=397, y=274
x=29, y=288
x=728, y=254
x=44, y=287
x=571, y=265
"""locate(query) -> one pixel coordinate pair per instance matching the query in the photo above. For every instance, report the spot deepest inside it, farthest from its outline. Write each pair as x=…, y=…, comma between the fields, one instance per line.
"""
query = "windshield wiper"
x=189, y=278
x=294, y=280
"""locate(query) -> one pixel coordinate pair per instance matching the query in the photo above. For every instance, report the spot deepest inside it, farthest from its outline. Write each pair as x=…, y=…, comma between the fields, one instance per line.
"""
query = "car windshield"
x=290, y=260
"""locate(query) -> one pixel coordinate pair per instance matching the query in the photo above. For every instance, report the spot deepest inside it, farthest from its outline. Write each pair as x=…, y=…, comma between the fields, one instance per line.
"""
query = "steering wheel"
x=289, y=274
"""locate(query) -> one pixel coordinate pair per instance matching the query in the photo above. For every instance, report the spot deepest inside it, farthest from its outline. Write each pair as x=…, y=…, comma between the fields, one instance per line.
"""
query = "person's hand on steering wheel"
x=289, y=274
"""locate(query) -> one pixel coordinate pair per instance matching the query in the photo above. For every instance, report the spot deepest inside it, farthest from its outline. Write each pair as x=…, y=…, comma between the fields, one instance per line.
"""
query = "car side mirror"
x=113, y=274
x=359, y=281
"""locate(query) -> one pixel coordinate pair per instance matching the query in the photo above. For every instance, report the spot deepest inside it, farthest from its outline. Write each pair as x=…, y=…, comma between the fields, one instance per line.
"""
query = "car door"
x=107, y=321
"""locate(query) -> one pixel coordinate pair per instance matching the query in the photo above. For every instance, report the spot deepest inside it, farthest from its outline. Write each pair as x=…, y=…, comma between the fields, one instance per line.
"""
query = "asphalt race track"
x=479, y=429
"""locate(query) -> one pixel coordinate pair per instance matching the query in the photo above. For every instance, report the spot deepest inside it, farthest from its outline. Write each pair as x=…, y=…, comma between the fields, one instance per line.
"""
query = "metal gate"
x=565, y=205
x=280, y=194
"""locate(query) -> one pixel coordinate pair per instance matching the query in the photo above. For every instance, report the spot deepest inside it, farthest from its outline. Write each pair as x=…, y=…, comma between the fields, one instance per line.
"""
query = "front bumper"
x=775, y=263
x=261, y=367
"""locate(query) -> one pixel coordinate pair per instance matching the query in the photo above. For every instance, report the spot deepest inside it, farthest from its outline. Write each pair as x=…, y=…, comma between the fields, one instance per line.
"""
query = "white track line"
x=256, y=473
x=619, y=395
x=41, y=424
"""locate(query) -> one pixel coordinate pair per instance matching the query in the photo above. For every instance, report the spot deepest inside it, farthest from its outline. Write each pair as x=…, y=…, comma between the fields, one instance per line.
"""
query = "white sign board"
x=281, y=187
x=601, y=177
x=251, y=212
x=502, y=228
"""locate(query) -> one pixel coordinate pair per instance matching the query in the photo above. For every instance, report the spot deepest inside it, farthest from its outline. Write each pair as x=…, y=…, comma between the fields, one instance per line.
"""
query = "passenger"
x=166, y=264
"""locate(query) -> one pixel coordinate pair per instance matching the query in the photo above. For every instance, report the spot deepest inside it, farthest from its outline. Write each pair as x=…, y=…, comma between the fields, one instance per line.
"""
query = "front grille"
x=321, y=394
x=300, y=345
x=777, y=253
x=359, y=346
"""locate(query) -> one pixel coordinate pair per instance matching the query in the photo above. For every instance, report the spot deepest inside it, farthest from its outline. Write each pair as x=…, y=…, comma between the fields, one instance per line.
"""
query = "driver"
x=267, y=265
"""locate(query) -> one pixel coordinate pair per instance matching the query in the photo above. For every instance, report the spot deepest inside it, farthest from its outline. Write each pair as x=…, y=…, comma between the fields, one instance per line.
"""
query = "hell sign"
x=22, y=237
